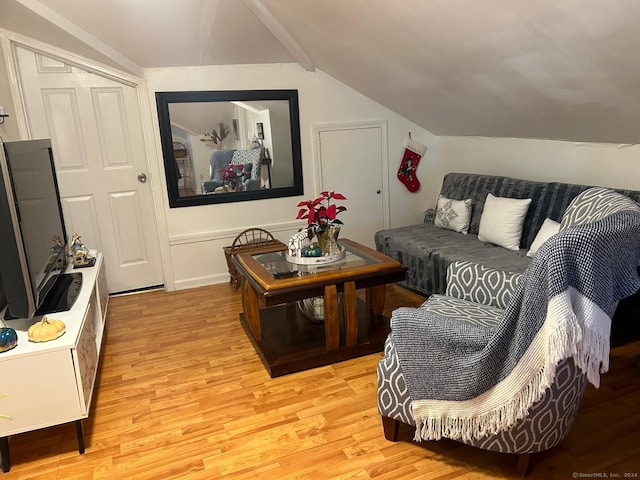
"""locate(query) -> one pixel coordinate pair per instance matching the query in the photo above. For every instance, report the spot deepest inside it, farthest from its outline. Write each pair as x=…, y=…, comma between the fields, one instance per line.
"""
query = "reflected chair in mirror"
x=251, y=160
x=218, y=162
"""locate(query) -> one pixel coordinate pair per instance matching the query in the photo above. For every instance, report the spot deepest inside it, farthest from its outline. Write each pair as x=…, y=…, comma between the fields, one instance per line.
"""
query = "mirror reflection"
x=230, y=146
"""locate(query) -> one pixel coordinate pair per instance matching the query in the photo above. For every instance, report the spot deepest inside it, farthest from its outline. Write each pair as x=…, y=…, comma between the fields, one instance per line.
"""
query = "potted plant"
x=232, y=177
x=322, y=219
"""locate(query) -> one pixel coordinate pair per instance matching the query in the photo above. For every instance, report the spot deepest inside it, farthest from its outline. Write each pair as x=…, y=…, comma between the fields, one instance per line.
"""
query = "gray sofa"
x=427, y=251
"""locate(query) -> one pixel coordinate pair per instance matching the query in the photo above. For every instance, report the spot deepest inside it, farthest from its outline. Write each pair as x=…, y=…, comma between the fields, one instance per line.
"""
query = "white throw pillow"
x=547, y=230
x=501, y=221
x=453, y=214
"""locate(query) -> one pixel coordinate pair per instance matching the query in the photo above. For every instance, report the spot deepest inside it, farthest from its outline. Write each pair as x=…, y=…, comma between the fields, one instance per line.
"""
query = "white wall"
x=197, y=234
x=609, y=165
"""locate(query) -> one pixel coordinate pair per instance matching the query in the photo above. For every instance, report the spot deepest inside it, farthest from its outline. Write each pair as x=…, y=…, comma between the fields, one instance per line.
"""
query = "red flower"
x=321, y=212
x=232, y=172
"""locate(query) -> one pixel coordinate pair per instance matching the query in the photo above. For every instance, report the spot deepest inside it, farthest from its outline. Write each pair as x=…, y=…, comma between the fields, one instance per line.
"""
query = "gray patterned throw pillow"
x=595, y=204
x=453, y=214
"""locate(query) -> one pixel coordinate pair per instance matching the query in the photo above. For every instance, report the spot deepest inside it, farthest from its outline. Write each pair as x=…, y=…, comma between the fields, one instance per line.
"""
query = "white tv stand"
x=51, y=383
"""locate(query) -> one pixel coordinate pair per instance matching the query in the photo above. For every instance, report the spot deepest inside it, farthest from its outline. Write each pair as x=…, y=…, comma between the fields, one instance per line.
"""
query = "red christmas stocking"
x=413, y=152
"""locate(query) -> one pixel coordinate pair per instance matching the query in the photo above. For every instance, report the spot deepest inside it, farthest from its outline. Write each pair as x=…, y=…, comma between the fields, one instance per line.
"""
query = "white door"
x=96, y=131
x=353, y=161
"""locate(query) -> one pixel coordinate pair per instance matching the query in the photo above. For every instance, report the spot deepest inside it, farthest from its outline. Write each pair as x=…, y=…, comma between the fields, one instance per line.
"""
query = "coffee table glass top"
x=275, y=262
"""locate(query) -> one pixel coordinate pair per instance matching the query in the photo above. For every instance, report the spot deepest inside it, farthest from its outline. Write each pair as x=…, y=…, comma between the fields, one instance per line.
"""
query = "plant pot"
x=231, y=185
x=328, y=239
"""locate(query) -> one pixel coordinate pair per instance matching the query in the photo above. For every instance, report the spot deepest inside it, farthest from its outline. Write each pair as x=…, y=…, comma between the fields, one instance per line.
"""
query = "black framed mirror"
x=230, y=146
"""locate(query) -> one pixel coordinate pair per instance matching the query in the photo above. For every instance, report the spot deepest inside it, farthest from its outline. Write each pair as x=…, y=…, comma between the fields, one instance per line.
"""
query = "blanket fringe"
x=489, y=423
x=564, y=338
x=588, y=347
x=593, y=358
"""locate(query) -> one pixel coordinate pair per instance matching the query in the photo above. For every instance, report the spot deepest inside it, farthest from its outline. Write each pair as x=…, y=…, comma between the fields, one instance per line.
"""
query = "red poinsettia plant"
x=232, y=172
x=321, y=211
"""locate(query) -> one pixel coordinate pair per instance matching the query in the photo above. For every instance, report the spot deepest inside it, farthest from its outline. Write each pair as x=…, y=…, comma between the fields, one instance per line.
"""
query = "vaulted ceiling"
x=555, y=69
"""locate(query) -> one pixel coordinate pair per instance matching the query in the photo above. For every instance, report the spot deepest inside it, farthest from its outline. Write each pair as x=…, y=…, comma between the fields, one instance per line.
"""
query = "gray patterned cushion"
x=484, y=315
x=480, y=284
x=594, y=204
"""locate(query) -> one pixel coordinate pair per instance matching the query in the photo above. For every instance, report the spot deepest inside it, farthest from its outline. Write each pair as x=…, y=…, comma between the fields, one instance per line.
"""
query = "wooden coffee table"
x=289, y=341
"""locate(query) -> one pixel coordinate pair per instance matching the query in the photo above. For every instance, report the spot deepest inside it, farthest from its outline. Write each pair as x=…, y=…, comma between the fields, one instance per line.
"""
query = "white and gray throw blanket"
x=467, y=381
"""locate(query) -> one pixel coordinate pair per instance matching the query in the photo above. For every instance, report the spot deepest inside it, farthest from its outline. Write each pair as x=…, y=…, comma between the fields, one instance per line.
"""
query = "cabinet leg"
x=80, y=435
x=4, y=454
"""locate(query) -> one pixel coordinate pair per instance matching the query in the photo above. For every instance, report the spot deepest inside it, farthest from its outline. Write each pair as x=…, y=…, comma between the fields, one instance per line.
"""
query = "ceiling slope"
x=19, y=19
x=559, y=69
x=555, y=69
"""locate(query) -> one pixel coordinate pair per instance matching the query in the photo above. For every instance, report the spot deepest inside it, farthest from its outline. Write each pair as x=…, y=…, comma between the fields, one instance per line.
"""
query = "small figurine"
x=79, y=253
x=298, y=242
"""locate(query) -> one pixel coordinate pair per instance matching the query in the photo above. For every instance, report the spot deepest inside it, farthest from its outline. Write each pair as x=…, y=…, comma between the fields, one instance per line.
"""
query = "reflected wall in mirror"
x=230, y=146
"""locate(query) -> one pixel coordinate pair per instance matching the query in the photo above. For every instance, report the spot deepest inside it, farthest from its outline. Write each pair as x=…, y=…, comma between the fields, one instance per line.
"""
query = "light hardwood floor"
x=182, y=394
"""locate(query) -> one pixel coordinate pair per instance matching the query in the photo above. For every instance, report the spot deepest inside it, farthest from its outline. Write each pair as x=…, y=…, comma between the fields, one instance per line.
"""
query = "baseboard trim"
x=229, y=234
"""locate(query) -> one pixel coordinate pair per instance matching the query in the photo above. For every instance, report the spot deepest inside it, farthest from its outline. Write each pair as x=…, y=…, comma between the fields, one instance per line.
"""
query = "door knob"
x=378, y=192
x=142, y=178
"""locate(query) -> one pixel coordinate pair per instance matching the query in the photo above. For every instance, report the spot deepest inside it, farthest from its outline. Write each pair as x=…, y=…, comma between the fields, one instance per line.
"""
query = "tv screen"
x=33, y=239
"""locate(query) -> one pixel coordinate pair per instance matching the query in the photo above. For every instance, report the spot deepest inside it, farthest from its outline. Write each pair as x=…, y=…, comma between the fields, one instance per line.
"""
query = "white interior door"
x=96, y=131
x=353, y=161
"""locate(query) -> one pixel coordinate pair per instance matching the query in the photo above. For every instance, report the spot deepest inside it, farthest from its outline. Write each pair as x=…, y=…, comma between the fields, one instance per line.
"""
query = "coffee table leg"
x=350, y=310
x=331, y=319
x=375, y=297
x=251, y=309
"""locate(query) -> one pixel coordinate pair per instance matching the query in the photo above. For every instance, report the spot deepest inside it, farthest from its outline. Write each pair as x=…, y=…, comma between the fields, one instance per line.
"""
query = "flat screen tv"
x=33, y=238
